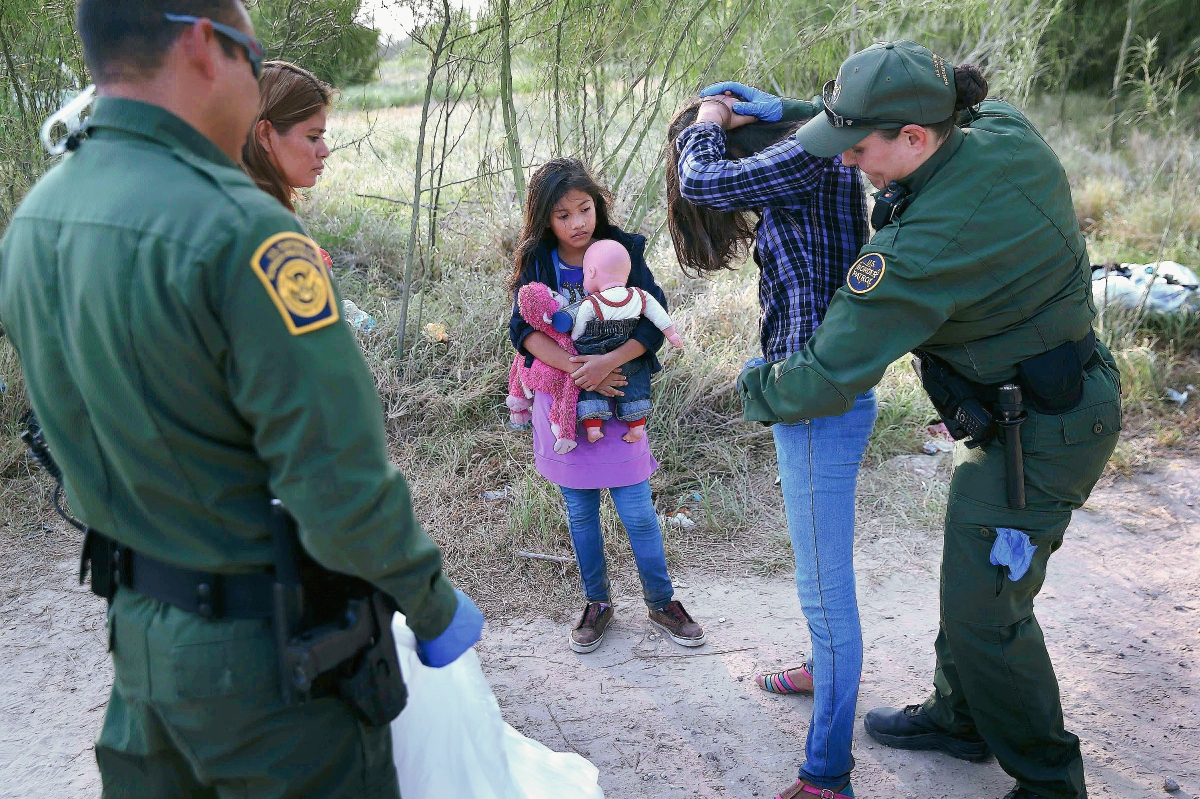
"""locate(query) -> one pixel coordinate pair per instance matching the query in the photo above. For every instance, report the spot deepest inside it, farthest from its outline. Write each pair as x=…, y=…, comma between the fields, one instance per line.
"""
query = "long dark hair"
x=708, y=240
x=547, y=186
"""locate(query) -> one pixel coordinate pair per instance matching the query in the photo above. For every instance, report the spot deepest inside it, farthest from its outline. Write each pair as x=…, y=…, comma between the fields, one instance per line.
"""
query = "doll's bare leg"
x=592, y=426
x=637, y=429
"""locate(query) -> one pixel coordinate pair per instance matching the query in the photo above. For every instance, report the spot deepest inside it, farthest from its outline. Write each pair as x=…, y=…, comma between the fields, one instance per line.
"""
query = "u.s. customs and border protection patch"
x=291, y=269
x=866, y=273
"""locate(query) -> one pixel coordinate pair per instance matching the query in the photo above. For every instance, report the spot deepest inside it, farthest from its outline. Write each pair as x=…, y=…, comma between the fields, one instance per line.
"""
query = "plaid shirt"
x=814, y=221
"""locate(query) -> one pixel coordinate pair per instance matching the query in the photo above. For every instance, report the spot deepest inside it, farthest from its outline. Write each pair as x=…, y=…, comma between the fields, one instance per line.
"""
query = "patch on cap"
x=866, y=273
x=939, y=68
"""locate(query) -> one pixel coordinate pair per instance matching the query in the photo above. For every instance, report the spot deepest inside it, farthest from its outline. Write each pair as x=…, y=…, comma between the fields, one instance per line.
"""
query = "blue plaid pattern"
x=814, y=222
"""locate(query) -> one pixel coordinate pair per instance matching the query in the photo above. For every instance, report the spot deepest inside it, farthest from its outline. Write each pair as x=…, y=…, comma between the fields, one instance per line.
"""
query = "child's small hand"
x=593, y=370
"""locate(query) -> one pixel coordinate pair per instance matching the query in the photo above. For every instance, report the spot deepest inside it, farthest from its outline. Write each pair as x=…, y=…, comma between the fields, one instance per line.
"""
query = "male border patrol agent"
x=183, y=350
x=979, y=267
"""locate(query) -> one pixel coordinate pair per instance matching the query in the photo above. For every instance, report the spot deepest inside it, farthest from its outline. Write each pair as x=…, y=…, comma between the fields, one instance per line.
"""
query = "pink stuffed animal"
x=538, y=305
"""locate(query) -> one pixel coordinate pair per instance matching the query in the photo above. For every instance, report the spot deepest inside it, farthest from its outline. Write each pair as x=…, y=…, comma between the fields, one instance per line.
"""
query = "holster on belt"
x=957, y=400
x=333, y=632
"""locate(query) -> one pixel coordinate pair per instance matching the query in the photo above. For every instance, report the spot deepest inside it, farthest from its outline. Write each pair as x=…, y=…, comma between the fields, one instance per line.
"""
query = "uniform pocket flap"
x=1102, y=419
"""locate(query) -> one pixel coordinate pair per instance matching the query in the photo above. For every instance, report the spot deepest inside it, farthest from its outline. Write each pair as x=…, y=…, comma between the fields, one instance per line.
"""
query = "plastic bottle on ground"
x=357, y=318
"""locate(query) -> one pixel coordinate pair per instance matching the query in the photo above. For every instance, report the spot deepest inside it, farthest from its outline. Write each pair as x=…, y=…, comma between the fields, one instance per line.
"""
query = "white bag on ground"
x=450, y=742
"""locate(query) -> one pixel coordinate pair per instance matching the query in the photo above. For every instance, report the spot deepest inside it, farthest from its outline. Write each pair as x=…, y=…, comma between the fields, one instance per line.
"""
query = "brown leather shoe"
x=589, y=632
x=676, y=622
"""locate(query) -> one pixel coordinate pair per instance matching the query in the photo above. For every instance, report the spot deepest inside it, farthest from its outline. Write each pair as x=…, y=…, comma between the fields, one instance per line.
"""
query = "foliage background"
x=422, y=201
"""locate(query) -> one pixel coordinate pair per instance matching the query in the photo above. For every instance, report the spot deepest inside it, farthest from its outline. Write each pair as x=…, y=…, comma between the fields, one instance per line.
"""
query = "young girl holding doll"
x=565, y=211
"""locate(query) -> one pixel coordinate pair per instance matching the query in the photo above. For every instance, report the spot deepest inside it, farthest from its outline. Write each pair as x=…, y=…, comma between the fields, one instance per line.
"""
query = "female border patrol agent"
x=978, y=267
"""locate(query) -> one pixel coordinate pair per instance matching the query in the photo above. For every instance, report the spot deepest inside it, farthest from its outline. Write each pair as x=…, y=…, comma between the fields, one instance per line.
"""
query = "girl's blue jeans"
x=818, y=470
x=636, y=510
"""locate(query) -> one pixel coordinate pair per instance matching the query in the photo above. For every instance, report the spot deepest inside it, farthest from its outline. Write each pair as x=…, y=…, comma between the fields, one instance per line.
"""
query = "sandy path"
x=1121, y=612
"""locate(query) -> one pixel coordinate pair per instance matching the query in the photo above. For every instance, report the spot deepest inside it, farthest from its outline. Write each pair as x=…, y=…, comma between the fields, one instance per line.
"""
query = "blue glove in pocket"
x=1014, y=550
x=462, y=634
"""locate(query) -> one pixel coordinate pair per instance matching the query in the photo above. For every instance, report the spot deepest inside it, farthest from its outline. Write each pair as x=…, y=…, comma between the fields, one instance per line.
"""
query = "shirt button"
x=1098, y=427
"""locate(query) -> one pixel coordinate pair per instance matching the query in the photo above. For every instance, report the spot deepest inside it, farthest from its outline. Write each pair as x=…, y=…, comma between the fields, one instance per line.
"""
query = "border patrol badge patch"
x=866, y=273
x=294, y=275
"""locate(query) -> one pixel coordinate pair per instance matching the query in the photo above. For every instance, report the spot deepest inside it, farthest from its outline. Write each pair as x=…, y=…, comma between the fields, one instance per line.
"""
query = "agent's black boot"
x=1022, y=793
x=910, y=728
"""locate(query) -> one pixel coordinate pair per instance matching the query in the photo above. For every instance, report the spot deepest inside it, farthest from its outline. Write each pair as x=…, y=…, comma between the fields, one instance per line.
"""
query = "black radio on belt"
x=956, y=400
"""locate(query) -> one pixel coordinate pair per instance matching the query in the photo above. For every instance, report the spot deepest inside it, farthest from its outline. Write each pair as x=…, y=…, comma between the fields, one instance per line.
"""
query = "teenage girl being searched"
x=565, y=211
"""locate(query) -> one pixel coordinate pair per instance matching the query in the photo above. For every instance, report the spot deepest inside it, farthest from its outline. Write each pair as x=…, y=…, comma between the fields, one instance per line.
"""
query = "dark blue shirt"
x=539, y=266
x=814, y=221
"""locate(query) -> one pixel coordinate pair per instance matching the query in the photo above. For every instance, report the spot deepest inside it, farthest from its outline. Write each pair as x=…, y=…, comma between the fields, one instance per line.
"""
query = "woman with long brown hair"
x=722, y=169
x=286, y=149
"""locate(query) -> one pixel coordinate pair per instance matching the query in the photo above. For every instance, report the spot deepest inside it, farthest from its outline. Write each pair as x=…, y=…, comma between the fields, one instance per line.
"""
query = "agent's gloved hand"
x=750, y=364
x=461, y=635
x=749, y=386
x=754, y=102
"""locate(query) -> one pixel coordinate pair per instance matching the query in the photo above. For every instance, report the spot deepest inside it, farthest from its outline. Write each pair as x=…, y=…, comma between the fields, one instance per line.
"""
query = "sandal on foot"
x=802, y=790
x=779, y=682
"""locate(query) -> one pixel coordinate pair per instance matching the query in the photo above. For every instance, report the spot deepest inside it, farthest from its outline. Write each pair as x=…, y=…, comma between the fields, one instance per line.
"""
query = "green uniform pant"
x=994, y=676
x=195, y=712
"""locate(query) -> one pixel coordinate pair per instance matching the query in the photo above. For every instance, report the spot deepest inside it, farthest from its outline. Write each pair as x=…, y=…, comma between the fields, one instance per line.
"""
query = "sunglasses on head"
x=839, y=121
x=254, y=51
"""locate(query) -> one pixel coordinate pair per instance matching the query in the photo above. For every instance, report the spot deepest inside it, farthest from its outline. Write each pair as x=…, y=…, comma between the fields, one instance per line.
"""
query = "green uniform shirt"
x=985, y=268
x=183, y=351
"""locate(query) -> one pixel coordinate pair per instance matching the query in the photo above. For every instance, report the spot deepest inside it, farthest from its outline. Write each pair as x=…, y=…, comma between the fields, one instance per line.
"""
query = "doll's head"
x=605, y=264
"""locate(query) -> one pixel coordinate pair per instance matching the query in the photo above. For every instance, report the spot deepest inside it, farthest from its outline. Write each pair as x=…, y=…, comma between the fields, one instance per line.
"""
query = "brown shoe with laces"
x=676, y=622
x=589, y=632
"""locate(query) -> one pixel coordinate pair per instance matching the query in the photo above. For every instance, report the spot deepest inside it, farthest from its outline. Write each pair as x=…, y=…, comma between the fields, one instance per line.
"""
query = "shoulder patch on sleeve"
x=293, y=273
x=866, y=273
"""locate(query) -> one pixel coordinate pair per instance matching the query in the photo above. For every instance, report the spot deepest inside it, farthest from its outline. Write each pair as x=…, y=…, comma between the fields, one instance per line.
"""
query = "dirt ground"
x=1121, y=613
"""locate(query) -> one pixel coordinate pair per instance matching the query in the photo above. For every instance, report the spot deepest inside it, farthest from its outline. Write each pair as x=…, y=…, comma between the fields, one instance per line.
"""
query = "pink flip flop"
x=801, y=788
x=778, y=682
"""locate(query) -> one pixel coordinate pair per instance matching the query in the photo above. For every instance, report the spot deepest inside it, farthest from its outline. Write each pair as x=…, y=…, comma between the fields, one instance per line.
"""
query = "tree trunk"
x=1119, y=75
x=506, y=102
x=414, y=223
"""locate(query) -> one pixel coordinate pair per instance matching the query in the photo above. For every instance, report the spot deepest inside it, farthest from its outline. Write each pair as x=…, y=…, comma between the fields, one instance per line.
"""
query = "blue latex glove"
x=1014, y=550
x=461, y=635
x=753, y=363
x=754, y=102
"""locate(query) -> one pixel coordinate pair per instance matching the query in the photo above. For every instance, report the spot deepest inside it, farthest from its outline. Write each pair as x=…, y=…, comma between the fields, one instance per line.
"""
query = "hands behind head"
x=719, y=109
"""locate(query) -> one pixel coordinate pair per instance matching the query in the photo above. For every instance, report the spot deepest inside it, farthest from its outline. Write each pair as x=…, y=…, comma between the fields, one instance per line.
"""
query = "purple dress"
x=608, y=463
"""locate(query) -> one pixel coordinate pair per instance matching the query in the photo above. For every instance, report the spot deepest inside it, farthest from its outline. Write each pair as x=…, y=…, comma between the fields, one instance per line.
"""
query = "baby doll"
x=537, y=302
x=603, y=321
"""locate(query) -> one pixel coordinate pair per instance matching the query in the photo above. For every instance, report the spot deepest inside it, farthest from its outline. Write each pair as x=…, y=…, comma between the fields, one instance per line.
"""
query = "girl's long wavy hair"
x=547, y=186
x=708, y=240
x=287, y=95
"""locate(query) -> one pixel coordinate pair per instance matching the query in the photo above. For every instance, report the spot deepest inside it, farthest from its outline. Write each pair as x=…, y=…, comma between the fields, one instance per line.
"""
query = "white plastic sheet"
x=1164, y=287
x=451, y=743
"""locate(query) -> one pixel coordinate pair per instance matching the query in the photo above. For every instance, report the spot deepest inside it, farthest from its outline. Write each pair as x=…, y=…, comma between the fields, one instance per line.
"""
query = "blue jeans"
x=818, y=470
x=636, y=510
x=633, y=404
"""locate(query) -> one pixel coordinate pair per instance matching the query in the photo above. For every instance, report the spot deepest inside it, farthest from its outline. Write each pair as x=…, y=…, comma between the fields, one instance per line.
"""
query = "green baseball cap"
x=887, y=85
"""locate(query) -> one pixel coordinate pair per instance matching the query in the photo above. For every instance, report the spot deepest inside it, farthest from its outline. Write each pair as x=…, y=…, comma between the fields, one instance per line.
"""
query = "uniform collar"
x=157, y=124
x=925, y=172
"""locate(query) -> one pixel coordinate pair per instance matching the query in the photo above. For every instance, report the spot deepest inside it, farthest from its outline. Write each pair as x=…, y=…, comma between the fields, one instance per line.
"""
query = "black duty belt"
x=207, y=594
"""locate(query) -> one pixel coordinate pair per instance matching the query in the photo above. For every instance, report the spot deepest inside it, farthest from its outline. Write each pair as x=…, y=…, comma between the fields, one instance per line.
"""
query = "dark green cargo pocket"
x=238, y=666
x=976, y=591
x=1084, y=424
